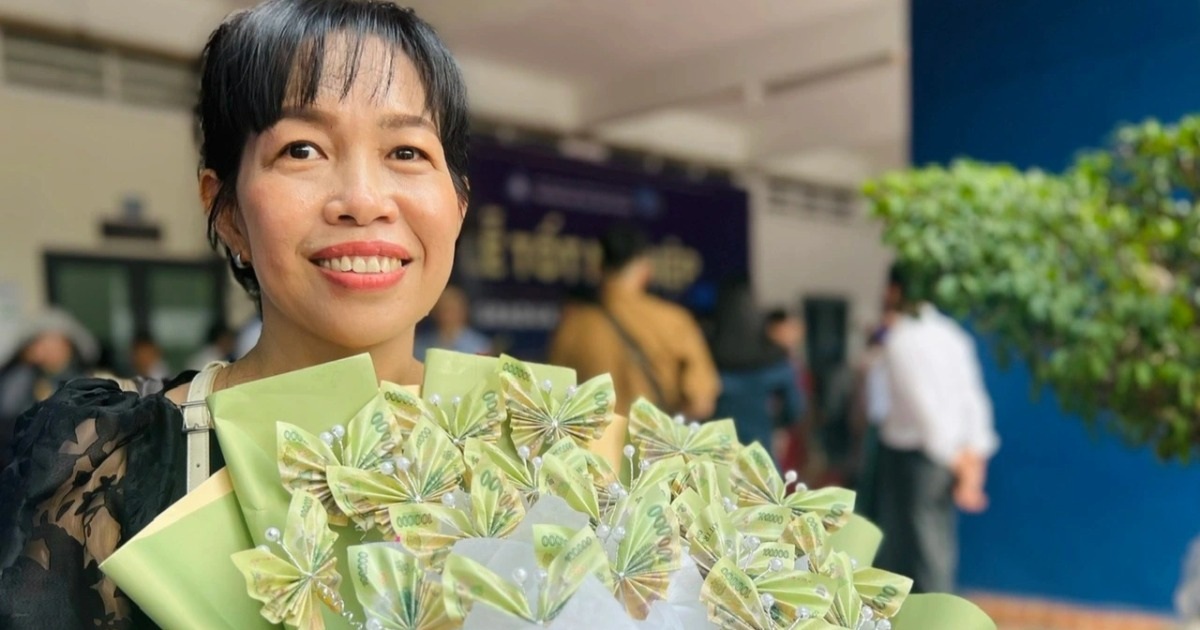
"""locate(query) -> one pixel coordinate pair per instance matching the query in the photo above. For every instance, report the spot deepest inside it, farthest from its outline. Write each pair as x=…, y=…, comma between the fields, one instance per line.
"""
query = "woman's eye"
x=406, y=154
x=301, y=151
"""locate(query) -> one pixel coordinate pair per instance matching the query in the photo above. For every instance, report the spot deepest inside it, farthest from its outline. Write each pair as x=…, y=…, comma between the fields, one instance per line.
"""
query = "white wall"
x=793, y=257
x=66, y=163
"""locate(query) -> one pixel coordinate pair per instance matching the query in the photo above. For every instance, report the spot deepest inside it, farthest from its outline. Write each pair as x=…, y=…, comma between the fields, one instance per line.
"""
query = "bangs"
x=283, y=54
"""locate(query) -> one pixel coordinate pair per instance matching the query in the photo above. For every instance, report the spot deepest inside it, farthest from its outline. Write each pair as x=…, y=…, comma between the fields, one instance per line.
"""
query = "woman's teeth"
x=362, y=264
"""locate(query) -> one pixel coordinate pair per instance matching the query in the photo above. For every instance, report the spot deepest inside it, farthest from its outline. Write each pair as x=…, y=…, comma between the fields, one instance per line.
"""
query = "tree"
x=1091, y=276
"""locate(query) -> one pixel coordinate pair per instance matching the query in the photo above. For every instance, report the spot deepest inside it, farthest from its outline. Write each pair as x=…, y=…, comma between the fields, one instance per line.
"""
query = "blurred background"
x=737, y=135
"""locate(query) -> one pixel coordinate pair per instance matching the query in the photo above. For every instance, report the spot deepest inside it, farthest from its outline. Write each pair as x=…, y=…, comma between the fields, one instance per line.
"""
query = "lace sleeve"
x=92, y=466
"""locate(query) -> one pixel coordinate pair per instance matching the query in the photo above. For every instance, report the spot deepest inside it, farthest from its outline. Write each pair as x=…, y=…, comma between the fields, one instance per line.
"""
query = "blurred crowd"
x=906, y=423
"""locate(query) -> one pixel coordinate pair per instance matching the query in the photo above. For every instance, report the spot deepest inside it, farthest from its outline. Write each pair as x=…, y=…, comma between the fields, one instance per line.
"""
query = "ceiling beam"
x=800, y=58
x=864, y=109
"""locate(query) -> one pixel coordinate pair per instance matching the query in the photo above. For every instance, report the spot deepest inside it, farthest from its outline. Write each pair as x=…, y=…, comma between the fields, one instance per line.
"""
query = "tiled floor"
x=1026, y=614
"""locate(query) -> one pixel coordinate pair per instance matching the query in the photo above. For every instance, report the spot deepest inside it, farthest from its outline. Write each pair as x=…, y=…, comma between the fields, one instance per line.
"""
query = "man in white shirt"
x=935, y=440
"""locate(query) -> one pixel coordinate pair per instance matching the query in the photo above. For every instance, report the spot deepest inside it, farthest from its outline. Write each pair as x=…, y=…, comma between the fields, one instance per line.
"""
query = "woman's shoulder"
x=89, y=470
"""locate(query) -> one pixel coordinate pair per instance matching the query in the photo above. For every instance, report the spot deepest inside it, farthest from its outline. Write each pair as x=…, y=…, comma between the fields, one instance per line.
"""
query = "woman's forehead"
x=366, y=70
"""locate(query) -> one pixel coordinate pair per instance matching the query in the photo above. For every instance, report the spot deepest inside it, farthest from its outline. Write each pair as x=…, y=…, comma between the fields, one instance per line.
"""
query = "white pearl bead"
x=520, y=575
x=326, y=437
x=403, y=463
x=629, y=451
x=523, y=452
x=338, y=431
x=790, y=476
x=273, y=534
x=448, y=500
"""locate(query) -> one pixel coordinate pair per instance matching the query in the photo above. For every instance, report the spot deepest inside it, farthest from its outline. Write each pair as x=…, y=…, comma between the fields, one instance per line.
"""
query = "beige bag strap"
x=197, y=423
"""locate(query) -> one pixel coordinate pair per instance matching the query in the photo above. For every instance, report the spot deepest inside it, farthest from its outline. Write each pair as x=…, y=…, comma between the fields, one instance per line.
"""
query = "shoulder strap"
x=639, y=356
x=197, y=424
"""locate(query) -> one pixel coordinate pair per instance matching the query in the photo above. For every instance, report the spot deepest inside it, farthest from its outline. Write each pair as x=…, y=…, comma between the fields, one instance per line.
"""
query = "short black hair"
x=900, y=276
x=777, y=315
x=622, y=244
x=272, y=56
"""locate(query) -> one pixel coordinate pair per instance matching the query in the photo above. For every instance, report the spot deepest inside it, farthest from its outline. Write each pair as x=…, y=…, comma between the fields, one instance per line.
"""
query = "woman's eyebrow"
x=390, y=121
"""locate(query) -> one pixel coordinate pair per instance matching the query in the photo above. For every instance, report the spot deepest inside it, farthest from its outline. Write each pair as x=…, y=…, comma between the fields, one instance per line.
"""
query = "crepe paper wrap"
x=430, y=468
x=467, y=582
x=757, y=481
x=539, y=415
x=657, y=435
x=293, y=585
x=395, y=592
x=479, y=413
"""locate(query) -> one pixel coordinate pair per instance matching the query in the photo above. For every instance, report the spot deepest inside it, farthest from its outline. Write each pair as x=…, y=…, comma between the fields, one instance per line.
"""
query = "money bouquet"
x=482, y=501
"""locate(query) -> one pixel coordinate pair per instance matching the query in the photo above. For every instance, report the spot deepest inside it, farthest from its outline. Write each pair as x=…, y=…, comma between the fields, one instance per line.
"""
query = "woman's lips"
x=363, y=265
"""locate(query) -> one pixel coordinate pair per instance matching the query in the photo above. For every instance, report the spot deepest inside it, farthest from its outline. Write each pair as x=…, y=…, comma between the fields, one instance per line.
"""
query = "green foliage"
x=1092, y=276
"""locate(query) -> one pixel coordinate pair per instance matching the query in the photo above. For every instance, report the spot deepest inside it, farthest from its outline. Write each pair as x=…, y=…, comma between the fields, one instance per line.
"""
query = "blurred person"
x=787, y=331
x=759, y=384
x=451, y=327
x=219, y=344
x=935, y=440
x=369, y=163
x=146, y=357
x=651, y=347
x=50, y=350
x=872, y=402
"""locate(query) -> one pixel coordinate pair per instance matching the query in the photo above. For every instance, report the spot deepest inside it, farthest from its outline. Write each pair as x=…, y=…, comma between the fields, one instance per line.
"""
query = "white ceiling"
x=810, y=88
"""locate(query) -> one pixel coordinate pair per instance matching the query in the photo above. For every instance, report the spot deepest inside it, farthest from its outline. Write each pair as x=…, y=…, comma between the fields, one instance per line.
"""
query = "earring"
x=237, y=261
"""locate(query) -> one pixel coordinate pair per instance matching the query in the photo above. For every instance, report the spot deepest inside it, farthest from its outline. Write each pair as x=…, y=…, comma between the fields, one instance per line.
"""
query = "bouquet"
x=482, y=500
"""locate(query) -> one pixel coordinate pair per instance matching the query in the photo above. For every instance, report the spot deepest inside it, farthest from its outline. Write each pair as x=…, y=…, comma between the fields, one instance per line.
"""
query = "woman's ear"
x=226, y=224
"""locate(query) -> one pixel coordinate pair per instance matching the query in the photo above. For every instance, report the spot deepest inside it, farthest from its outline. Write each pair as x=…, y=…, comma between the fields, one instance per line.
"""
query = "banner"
x=532, y=238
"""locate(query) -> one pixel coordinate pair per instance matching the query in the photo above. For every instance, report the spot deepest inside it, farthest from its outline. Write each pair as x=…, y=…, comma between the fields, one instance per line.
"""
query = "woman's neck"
x=284, y=347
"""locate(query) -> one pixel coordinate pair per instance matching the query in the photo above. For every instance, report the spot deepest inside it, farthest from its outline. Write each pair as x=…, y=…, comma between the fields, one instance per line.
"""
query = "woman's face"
x=346, y=209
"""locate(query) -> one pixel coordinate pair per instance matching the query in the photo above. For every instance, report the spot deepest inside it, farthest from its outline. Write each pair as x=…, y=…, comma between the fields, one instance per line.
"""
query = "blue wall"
x=1075, y=516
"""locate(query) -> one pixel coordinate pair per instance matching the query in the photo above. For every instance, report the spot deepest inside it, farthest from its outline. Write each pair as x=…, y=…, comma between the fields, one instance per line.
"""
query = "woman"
x=758, y=382
x=333, y=171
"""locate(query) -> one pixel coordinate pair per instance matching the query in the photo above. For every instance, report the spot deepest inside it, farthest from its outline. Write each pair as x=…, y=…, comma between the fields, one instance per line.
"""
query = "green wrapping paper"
x=938, y=611
x=178, y=570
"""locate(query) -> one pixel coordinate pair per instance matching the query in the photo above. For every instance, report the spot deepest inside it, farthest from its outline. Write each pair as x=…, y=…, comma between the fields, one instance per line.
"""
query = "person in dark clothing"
x=758, y=381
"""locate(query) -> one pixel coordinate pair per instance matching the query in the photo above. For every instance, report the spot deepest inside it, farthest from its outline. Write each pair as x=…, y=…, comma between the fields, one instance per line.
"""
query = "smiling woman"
x=333, y=172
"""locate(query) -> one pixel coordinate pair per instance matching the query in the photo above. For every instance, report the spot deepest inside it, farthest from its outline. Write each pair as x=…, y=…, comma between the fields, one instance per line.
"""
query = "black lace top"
x=92, y=466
